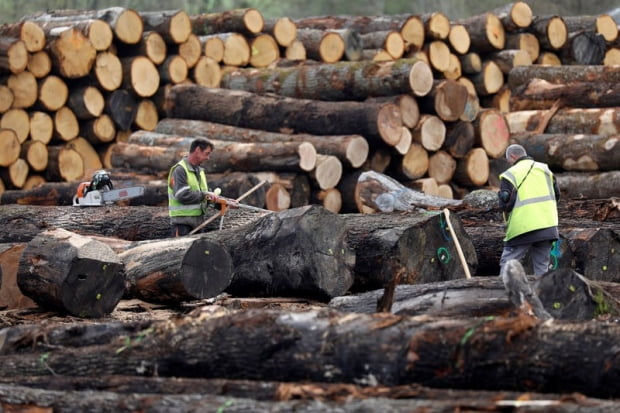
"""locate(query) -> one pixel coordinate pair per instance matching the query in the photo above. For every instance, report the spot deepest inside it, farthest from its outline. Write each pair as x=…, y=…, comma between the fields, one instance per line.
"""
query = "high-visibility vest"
x=535, y=205
x=178, y=209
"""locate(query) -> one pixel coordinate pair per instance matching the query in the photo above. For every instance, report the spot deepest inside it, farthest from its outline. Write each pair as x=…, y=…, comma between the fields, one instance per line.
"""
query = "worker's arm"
x=506, y=195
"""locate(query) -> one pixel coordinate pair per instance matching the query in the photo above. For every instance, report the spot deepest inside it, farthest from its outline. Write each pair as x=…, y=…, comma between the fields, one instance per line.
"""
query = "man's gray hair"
x=515, y=150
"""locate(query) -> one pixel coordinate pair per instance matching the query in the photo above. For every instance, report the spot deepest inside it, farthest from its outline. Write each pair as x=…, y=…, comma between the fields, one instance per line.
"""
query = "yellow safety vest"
x=178, y=209
x=535, y=206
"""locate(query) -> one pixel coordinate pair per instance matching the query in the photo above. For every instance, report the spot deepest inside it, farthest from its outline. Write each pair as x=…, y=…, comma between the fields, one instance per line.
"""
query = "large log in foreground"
x=379, y=121
x=438, y=352
x=296, y=252
x=75, y=274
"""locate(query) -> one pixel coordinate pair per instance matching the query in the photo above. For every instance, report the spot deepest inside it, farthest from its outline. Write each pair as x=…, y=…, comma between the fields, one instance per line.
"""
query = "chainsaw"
x=99, y=191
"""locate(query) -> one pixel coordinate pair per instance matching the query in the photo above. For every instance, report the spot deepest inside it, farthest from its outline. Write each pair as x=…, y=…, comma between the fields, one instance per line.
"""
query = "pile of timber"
x=419, y=97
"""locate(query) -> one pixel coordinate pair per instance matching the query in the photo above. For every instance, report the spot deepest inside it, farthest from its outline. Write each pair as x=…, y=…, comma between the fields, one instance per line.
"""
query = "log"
x=98, y=131
x=173, y=70
x=460, y=137
x=433, y=340
x=108, y=71
x=486, y=32
x=327, y=172
x=514, y=16
x=598, y=121
x=265, y=50
x=16, y=173
x=564, y=74
x=297, y=187
x=507, y=59
x=249, y=157
x=593, y=185
x=489, y=80
x=602, y=24
x=97, y=31
x=41, y=127
x=584, y=48
x=6, y=98
x=273, y=113
x=447, y=99
x=541, y=94
x=492, y=132
x=390, y=41
x=207, y=72
x=176, y=270
x=244, y=20
x=13, y=54
x=473, y=169
x=140, y=75
x=438, y=54
x=86, y=102
x=441, y=167
x=174, y=26
x=35, y=153
x=24, y=87
x=297, y=252
x=10, y=147
x=459, y=39
x=72, y=273
x=524, y=41
x=379, y=192
x=213, y=47
x=579, y=152
x=283, y=30
x=17, y=120
x=413, y=165
x=350, y=149
x=53, y=93
x=73, y=55
x=323, y=46
x=337, y=81
x=11, y=296
x=550, y=30
x=122, y=106
x=28, y=32
x=64, y=164
x=417, y=246
x=430, y=132
x=595, y=252
x=151, y=45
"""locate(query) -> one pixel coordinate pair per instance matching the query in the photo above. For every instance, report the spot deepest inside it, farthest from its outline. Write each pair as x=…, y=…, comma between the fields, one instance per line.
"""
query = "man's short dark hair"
x=201, y=143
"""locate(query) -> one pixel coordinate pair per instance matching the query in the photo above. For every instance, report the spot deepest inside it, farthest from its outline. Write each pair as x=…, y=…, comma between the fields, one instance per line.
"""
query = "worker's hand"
x=211, y=197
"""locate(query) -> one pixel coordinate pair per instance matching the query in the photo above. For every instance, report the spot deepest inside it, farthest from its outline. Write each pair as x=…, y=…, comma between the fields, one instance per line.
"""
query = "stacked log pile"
x=418, y=97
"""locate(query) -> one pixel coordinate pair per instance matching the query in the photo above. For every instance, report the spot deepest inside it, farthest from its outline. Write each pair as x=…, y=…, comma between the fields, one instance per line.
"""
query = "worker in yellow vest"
x=528, y=198
x=188, y=193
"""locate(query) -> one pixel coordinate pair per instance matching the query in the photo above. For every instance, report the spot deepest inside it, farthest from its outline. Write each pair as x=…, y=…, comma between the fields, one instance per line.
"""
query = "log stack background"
x=428, y=101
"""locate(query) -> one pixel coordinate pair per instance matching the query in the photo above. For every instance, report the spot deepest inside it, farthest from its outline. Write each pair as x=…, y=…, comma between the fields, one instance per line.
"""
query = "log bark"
x=584, y=48
x=296, y=252
x=28, y=32
x=583, y=185
x=176, y=270
x=350, y=149
x=86, y=102
x=417, y=246
x=274, y=113
x=564, y=74
x=579, y=152
x=603, y=24
x=72, y=273
x=337, y=81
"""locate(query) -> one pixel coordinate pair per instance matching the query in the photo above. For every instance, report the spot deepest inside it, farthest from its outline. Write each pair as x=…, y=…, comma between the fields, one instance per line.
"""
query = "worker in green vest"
x=188, y=193
x=528, y=197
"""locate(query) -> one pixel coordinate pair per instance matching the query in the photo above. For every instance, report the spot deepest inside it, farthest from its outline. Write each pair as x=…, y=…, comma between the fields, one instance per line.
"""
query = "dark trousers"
x=178, y=230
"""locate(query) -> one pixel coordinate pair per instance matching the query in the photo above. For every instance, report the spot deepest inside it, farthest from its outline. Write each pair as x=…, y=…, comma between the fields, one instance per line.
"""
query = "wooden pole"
x=457, y=243
x=241, y=197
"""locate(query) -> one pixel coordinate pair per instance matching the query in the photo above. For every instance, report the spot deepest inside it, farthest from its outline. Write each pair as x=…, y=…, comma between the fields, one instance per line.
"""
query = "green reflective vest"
x=535, y=206
x=178, y=209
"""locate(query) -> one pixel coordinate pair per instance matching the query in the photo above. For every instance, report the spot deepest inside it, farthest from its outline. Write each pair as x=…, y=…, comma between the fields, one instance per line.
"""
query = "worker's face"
x=203, y=155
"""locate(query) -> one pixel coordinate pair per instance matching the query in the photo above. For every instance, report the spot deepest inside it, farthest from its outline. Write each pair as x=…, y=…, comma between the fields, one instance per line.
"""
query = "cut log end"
x=206, y=269
x=307, y=156
x=357, y=151
x=389, y=124
x=421, y=78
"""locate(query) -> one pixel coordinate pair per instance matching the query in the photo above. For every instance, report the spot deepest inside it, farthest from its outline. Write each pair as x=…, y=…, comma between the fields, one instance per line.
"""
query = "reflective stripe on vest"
x=535, y=206
x=175, y=207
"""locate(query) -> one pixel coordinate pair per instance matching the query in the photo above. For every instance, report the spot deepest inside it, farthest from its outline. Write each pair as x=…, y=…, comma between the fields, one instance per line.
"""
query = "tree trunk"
x=175, y=270
x=447, y=100
x=73, y=55
x=350, y=149
x=459, y=139
x=323, y=46
x=584, y=48
x=473, y=169
x=28, y=32
x=297, y=252
x=336, y=81
x=489, y=80
x=515, y=16
x=582, y=185
x=430, y=132
x=72, y=273
x=524, y=41
x=283, y=30
x=492, y=132
x=579, y=152
x=275, y=113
